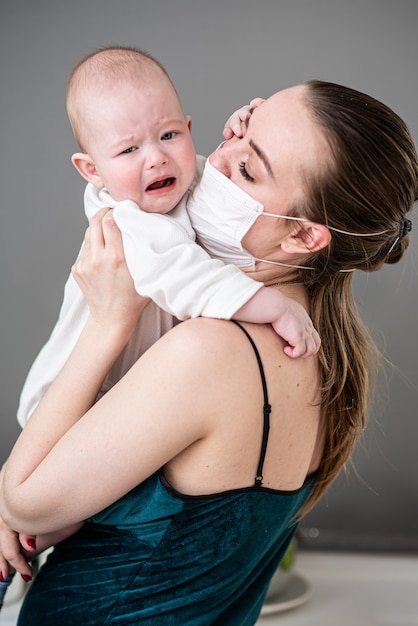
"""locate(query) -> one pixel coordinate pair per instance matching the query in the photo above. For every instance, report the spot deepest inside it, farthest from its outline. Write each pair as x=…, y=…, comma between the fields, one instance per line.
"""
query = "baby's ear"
x=85, y=166
x=188, y=121
x=310, y=237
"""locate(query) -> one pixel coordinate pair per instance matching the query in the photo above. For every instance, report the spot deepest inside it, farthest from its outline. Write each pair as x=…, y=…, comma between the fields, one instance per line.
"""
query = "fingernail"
x=1, y=578
x=26, y=578
x=32, y=544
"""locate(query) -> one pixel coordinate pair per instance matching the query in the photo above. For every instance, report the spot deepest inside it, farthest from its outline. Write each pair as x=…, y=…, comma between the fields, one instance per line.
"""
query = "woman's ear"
x=85, y=166
x=310, y=237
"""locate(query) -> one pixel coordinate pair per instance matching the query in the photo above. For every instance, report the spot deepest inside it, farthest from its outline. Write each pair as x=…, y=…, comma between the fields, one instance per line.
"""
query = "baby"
x=138, y=158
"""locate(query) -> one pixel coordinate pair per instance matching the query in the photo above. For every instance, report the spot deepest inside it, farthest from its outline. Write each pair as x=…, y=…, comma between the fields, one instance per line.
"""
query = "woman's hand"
x=11, y=556
x=236, y=124
x=102, y=274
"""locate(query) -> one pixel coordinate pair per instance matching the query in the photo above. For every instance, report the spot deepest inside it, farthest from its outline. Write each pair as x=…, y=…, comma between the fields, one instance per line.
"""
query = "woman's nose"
x=221, y=158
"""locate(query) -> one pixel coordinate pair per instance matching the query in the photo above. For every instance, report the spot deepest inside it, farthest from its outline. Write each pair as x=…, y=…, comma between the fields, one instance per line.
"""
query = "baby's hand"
x=236, y=124
x=295, y=326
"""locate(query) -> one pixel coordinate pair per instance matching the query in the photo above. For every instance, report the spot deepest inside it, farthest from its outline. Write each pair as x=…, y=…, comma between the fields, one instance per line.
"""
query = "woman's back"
x=167, y=555
x=228, y=456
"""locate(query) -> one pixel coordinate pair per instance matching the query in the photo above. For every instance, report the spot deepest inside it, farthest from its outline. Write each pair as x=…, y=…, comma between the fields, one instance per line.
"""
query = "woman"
x=215, y=443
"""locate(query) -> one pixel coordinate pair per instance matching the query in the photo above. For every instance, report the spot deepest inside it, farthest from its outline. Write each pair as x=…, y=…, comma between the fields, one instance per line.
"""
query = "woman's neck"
x=284, y=279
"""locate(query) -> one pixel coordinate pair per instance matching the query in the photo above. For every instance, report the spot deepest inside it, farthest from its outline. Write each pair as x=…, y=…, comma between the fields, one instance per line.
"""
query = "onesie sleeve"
x=168, y=266
x=50, y=360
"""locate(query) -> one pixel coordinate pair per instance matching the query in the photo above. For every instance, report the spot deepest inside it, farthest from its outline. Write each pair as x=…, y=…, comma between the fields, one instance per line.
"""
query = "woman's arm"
x=71, y=461
x=137, y=427
x=114, y=312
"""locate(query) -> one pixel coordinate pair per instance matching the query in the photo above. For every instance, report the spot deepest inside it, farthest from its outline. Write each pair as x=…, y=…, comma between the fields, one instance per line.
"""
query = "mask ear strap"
x=300, y=267
x=336, y=230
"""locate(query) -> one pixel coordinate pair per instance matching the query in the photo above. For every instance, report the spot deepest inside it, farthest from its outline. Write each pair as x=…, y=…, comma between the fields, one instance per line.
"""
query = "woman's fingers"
x=93, y=250
x=28, y=542
x=98, y=223
x=102, y=274
x=11, y=557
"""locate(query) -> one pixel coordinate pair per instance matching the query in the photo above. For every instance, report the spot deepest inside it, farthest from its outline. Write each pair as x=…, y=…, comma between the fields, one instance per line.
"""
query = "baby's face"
x=140, y=142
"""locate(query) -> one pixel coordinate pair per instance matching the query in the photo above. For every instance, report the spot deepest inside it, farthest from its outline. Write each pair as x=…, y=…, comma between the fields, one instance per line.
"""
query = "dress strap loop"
x=266, y=410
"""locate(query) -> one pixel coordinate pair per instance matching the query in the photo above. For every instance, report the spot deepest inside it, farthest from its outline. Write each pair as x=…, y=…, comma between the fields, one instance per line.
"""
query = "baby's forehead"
x=153, y=83
x=125, y=100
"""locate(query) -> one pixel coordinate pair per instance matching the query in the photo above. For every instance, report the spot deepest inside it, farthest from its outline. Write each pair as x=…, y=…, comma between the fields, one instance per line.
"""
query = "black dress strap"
x=266, y=410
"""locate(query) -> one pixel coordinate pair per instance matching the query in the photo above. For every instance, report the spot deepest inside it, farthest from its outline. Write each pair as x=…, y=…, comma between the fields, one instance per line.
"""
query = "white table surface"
x=354, y=590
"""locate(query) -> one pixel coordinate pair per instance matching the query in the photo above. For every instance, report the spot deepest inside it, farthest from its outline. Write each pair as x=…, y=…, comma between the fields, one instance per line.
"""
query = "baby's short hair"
x=105, y=66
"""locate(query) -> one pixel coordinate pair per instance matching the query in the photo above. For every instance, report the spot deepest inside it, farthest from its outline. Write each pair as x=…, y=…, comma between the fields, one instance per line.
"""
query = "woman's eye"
x=244, y=173
x=128, y=150
x=168, y=136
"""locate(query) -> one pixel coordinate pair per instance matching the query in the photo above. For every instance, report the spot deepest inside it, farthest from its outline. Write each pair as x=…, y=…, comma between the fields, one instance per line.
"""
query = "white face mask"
x=221, y=214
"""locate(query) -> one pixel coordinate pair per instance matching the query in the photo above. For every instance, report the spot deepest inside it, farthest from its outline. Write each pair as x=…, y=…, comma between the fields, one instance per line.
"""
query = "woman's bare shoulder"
x=213, y=347
x=201, y=334
x=210, y=349
x=214, y=337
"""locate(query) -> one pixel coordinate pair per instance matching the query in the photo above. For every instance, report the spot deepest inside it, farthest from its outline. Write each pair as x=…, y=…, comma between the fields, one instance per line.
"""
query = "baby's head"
x=129, y=124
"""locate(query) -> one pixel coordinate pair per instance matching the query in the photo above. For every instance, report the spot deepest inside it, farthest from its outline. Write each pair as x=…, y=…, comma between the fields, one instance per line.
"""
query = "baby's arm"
x=289, y=319
x=184, y=280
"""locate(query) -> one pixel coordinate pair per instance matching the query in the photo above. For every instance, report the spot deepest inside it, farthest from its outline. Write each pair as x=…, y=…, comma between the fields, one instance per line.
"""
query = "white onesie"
x=167, y=265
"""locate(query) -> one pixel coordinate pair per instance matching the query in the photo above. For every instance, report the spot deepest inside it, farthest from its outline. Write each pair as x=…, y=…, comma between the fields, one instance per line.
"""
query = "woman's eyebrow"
x=263, y=157
x=259, y=152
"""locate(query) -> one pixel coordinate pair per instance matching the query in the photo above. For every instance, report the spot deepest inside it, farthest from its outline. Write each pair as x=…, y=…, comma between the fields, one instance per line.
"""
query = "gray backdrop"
x=220, y=54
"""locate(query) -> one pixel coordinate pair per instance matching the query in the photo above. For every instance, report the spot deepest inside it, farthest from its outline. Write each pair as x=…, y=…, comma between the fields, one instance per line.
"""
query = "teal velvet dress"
x=161, y=558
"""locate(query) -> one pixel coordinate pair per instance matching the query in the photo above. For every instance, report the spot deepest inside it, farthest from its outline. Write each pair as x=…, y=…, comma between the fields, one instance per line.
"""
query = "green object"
x=289, y=557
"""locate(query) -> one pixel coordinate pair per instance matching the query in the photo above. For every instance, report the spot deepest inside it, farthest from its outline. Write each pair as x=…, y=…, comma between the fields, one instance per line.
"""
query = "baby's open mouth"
x=160, y=184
